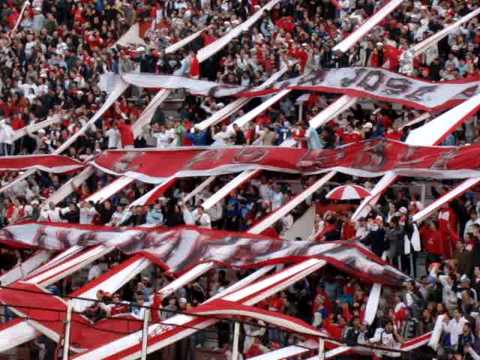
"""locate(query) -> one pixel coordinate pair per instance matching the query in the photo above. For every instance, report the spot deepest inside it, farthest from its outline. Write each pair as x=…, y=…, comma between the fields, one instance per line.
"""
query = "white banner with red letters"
x=364, y=82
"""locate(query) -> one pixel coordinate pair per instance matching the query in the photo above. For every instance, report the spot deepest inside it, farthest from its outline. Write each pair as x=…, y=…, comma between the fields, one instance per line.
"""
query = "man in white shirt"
x=52, y=213
x=449, y=296
x=222, y=137
x=216, y=213
x=454, y=326
x=138, y=309
x=113, y=137
x=387, y=337
x=202, y=219
x=164, y=138
x=87, y=213
x=265, y=189
x=473, y=220
x=277, y=197
x=196, y=217
x=118, y=216
x=361, y=229
x=6, y=138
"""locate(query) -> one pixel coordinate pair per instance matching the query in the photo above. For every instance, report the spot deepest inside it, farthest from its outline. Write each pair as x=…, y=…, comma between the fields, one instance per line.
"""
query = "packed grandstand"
x=239, y=179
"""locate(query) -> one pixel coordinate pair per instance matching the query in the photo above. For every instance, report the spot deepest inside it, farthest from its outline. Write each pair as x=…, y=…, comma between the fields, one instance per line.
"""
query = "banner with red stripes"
x=363, y=82
x=369, y=158
x=48, y=163
x=179, y=249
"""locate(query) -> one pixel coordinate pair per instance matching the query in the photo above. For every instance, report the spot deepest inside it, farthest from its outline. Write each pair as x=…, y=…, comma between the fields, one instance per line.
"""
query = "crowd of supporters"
x=51, y=65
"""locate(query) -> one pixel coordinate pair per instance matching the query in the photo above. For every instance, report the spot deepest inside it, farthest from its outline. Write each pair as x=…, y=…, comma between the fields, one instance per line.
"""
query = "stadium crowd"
x=51, y=68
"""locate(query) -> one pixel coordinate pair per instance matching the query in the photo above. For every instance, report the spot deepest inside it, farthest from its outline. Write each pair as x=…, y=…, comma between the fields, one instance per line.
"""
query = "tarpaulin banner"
x=48, y=163
x=369, y=158
x=180, y=248
x=364, y=82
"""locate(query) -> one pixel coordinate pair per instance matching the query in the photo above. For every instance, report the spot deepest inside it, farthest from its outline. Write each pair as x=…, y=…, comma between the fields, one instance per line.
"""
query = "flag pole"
x=68, y=325
x=321, y=349
x=146, y=318
x=236, y=336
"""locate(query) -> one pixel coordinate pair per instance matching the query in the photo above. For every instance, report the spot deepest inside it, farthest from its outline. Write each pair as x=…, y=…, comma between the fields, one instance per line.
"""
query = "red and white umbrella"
x=348, y=192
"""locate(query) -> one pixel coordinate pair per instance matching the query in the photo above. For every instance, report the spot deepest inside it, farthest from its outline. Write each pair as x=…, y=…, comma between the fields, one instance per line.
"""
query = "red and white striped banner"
x=48, y=163
x=178, y=249
x=362, y=82
x=370, y=158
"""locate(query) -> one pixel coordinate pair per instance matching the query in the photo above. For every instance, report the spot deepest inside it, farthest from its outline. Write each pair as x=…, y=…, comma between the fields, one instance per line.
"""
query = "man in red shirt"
x=286, y=24
x=126, y=134
x=393, y=134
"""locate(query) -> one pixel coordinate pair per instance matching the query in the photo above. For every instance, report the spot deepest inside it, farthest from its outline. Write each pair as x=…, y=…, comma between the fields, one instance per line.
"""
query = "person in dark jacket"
x=138, y=217
x=394, y=237
x=73, y=214
x=466, y=340
x=105, y=211
x=376, y=236
x=239, y=135
x=352, y=332
x=355, y=335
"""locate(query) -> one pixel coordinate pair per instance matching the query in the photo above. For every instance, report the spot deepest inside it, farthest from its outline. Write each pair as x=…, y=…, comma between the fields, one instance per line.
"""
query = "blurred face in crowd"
x=389, y=327
x=456, y=314
x=140, y=300
x=116, y=298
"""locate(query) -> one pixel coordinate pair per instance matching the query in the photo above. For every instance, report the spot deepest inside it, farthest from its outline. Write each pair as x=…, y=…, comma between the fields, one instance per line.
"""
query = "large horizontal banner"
x=178, y=249
x=47, y=163
x=365, y=82
x=370, y=158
